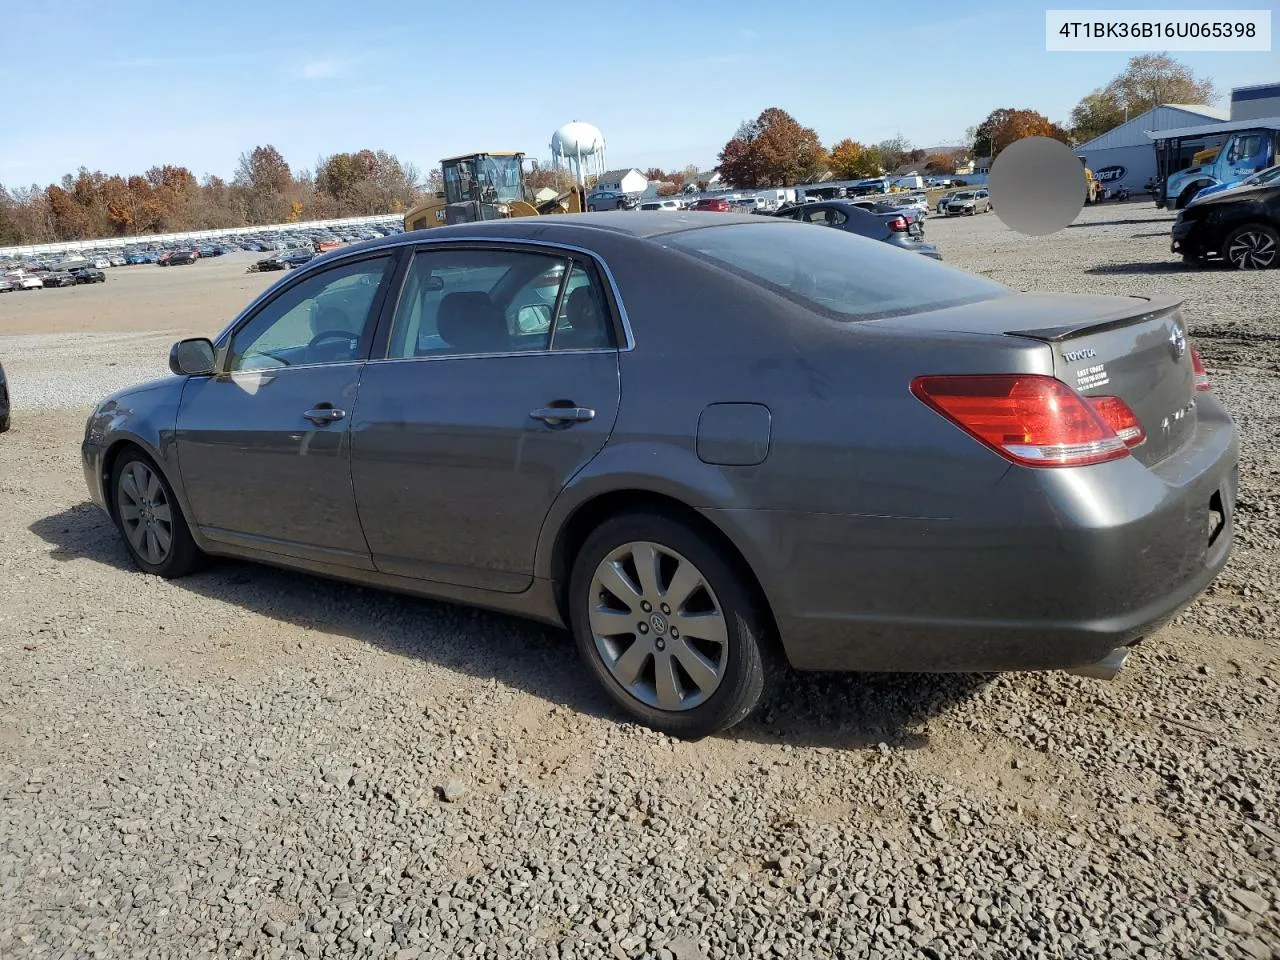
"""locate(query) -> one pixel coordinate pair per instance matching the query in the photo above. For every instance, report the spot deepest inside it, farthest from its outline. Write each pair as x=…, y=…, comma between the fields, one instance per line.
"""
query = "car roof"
x=572, y=228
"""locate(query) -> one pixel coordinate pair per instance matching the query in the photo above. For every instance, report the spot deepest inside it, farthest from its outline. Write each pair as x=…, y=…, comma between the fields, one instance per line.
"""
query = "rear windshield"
x=840, y=274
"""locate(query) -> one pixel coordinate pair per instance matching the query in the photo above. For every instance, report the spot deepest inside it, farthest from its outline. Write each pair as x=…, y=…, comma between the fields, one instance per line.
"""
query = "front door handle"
x=558, y=415
x=322, y=415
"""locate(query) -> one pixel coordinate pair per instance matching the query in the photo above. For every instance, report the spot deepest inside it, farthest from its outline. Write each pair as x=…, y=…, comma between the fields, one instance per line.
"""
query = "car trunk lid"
x=1134, y=348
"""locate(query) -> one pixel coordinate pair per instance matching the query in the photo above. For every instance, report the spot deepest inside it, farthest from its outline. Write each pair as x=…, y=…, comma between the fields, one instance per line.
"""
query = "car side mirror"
x=192, y=358
x=434, y=283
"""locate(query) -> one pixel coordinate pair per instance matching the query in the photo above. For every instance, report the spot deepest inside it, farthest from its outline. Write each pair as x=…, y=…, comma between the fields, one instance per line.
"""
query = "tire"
x=591, y=208
x=1254, y=246
x=132, y=472
x=1185, y=197
x=731, y=672
x=5, y=424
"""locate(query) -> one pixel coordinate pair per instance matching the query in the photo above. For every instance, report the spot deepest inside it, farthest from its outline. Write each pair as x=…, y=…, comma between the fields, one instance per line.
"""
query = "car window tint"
x=835, y=272
x=319, y=320
x=583, y=323
x=460, y=302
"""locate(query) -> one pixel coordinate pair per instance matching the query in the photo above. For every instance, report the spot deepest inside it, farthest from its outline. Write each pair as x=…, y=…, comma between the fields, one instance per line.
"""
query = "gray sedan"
x=701, y=442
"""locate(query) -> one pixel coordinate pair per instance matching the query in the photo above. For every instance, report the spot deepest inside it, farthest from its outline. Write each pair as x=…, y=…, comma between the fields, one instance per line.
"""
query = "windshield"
x=483, y=178
x=963, y=196
x=839, y=274
x=1266, y=176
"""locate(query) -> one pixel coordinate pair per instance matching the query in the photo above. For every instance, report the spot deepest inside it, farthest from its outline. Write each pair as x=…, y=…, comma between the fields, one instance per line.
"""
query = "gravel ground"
x=255, y=763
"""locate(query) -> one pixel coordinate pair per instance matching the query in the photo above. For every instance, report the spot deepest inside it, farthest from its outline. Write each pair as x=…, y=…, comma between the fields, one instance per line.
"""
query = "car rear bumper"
x=1056, y=569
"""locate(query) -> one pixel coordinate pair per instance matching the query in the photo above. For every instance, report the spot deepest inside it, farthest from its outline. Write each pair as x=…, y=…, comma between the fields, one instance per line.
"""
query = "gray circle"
x=1037, y=186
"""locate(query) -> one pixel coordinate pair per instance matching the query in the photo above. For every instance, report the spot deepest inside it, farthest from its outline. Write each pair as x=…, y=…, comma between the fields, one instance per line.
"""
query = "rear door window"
x=839, y=274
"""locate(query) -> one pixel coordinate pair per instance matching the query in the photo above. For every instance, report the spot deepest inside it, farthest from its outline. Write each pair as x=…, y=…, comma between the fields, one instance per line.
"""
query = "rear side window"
x=844, y=276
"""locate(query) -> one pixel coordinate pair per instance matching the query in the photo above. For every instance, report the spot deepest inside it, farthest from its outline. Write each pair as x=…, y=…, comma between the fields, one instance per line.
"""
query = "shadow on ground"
x=1117, y=223
x=847, y=711
x=1150, y=268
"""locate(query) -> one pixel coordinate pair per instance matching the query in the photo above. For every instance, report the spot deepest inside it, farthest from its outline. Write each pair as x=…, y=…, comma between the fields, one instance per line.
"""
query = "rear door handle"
x=558, y=415
x=322, y=415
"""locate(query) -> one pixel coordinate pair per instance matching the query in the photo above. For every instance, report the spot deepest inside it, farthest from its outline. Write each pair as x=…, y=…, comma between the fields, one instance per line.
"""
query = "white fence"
x=152, y=239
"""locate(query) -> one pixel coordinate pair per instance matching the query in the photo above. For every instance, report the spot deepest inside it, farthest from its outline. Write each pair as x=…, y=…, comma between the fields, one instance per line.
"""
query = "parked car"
x=116, y=260
x=946, y=198
x=894, y=228
x=968, y=203
x=662, y=204
x=296, y=258
x=712, y=205
x=176, y=257
x=1261, y=177
x=897, y=466
x=274, y=262
x=89, y=275
x=610, y=200
x=4, y=401
x=8, y=285
x=59, y=278
x=28, y=281
x=1240, y=226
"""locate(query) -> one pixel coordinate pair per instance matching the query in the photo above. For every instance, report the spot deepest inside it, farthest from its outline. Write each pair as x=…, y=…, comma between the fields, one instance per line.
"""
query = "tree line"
x=775, y=149
x=168, y=199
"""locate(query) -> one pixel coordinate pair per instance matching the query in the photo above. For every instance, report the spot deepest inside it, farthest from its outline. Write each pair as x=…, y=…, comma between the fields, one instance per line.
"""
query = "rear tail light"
x=1116, y=414
x=898, y=224
x=1202, y=375
x=1030, y=419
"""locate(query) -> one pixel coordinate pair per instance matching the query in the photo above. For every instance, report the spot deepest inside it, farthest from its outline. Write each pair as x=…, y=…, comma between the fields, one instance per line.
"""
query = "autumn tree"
x=772, y=150
x=894, y=152
x=668, y=189
x=851, y=160
x=264, y=176
x=1007, y=124
x=1147, y=81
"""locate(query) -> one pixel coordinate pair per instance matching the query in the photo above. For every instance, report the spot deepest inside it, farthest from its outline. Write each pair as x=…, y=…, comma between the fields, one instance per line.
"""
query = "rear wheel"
x=1255, y=246
x=149, y=517
x=667, y=625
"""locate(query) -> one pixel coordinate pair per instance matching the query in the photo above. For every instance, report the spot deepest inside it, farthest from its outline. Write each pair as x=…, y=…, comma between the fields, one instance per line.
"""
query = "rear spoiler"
x=1116, y=318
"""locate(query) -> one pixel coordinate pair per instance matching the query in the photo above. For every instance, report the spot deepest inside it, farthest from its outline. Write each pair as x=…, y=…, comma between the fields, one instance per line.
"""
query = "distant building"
x=1258, y=102
x=625, y=181
x=711, y=178
x=1123, y=155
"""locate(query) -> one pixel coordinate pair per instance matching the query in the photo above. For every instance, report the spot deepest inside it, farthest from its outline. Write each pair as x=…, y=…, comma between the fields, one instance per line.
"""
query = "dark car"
x=296, y=258
x=175, y=257
x=89, y=275
x=58, y=278
x=695, y=441
x=4, y=401
x=894, y=227
x=273, y=262
x=1240, y=226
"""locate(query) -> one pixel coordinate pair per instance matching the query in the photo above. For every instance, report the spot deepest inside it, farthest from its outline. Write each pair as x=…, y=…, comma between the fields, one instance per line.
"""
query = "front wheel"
x=148, y=515
x=667, y=625
x=1255, y=246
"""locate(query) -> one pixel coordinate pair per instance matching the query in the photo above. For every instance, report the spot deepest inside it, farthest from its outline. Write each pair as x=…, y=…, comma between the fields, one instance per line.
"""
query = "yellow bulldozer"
x=487, y=186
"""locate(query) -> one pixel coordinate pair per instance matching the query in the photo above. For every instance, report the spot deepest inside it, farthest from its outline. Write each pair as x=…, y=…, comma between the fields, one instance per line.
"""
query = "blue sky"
x=126, y=85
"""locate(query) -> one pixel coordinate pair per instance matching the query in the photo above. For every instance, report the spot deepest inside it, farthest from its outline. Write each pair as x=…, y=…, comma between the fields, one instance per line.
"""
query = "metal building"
x=1256, y=102
x=1123, y=155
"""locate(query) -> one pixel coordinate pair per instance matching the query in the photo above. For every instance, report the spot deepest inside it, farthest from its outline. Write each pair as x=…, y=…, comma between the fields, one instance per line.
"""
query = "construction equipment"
x=487, y=186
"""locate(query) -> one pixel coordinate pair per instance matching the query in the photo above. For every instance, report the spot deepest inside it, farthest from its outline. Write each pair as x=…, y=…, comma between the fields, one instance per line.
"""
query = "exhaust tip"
x=1104, y=669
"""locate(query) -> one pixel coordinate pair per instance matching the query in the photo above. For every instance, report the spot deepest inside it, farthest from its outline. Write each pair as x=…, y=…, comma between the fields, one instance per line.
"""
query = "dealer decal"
x=1089, y=377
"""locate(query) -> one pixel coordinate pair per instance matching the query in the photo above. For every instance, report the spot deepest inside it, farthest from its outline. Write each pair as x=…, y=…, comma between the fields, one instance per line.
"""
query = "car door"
x=482, y=409
x=264, y=445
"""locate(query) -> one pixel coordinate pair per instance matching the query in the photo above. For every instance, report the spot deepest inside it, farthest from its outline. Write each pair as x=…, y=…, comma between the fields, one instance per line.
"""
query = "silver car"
x=968, y=202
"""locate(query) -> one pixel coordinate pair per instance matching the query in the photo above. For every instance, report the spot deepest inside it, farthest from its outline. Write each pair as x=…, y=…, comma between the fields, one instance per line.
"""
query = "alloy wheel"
x=145, y=512
x=1252, y=250
x=658, y=626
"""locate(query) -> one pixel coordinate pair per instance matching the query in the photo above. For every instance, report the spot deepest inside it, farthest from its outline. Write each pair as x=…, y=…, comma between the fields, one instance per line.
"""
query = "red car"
x=713, y=205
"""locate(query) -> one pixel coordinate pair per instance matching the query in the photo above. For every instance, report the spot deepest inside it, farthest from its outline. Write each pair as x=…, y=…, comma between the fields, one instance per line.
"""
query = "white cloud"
x=318, y=69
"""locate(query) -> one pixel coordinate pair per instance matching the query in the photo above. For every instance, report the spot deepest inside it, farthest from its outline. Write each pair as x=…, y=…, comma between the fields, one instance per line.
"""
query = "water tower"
x=578, y=149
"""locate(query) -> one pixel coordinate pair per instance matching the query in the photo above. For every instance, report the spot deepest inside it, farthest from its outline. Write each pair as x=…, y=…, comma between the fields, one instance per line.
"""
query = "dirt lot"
x=256, y=763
